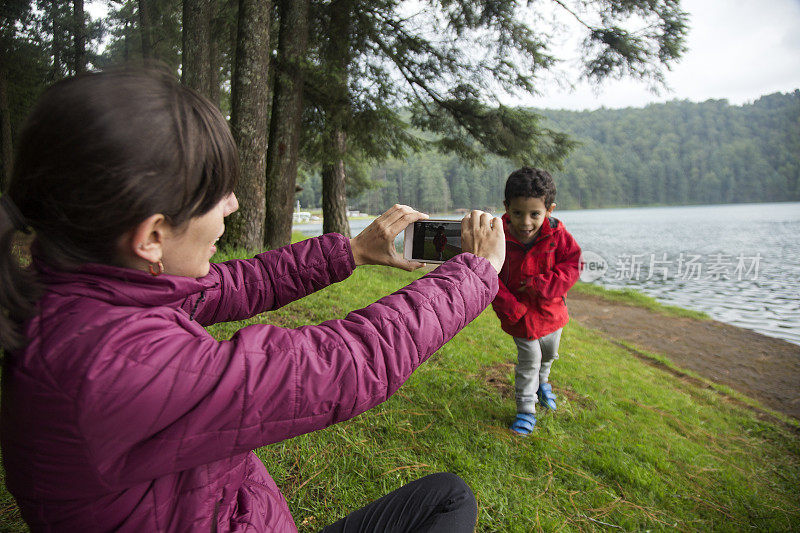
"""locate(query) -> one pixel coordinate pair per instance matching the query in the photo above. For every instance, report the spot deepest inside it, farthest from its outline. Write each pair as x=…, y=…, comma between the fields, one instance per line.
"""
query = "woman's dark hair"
x=529, y=182
x=99, y=154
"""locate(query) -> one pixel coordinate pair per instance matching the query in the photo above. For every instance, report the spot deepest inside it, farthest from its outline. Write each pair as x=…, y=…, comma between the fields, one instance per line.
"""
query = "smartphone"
x=432, y=241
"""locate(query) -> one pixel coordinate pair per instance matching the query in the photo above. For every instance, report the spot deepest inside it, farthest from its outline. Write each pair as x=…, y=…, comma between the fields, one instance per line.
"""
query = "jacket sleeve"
x=565, y=272
x=173, y=398
x=240, y=289
x=506, y=305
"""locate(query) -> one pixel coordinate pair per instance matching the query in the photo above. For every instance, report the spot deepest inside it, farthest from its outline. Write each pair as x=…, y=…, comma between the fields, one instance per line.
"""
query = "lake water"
x=739, y=263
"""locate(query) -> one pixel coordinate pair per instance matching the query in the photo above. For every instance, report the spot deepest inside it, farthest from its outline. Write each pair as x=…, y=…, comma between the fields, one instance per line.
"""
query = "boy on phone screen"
x=542, y=263
x=440, y=242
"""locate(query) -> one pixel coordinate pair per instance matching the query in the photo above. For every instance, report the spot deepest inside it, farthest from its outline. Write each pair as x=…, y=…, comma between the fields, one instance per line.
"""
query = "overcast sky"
x=738, y=49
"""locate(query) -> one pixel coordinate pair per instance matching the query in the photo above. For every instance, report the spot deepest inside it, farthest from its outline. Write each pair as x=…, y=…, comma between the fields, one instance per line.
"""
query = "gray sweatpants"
x=534, y=359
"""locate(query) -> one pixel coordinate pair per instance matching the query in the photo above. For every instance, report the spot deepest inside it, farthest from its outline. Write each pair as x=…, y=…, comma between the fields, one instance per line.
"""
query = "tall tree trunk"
x=337, y=58
x=55, y=73
x=213, y=70
x=145, y=27
x=285, y=123
x=249, y=106
x=196, y=45
x=215, y=53
x=334, y=194
x=79, y=36
x=8, y=152
x=126, y=53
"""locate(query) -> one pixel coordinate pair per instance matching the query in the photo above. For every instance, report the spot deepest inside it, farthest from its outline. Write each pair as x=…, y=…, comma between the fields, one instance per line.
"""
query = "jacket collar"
x=122, y=286
x=549, y=227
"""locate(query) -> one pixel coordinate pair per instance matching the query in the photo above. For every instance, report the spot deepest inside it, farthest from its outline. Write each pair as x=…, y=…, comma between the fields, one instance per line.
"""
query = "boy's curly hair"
x=529, y=182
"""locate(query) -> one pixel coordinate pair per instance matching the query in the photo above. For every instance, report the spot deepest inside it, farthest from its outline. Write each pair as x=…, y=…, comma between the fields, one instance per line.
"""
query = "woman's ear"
x=144, y=244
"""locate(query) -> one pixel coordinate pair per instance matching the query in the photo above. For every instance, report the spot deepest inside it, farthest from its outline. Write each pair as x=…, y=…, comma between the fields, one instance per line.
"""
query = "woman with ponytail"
x=119, y=411
x=19, y=285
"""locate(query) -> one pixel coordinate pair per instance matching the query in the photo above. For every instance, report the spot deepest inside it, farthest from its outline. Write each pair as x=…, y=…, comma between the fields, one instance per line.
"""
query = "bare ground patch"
x=496, y=378
x=583, y=402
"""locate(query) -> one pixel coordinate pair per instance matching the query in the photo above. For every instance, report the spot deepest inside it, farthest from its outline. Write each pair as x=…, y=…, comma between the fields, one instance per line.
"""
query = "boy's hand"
x=375, y=244
x=483, y=236
x=526, y=285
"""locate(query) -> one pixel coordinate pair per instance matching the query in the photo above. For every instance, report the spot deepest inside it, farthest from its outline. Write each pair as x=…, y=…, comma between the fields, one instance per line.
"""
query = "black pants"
x=438, y=502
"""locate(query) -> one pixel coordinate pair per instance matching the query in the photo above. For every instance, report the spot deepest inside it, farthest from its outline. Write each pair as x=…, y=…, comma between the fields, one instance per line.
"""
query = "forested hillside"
x=683, y=153
x=671, y=154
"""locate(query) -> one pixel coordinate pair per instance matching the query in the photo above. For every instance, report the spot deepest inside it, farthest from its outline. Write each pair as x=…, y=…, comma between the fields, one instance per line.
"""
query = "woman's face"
x=187, y=252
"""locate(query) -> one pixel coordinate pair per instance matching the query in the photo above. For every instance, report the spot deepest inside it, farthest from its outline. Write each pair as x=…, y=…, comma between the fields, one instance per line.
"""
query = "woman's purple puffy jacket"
x=124, y=414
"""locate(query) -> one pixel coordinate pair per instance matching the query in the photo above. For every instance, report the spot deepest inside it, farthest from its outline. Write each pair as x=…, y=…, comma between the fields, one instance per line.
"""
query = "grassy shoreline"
x=631, y=446
x=637, y=299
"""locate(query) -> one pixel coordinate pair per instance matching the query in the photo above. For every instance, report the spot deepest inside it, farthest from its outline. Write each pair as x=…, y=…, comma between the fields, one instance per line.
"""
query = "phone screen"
x=436, y=240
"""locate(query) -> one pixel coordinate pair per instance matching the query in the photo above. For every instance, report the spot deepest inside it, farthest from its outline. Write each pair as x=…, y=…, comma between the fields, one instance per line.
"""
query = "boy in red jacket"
x=542, y=263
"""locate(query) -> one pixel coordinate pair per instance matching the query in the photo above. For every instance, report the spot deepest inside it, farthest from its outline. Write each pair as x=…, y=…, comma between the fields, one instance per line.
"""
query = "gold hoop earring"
x=156, y=269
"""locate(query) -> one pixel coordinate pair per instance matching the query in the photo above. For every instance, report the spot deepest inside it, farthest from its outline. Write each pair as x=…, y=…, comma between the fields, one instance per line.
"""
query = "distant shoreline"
x=499, y=211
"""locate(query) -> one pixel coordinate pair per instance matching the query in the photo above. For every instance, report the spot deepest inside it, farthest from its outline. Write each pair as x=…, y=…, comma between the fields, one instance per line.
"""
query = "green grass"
x=632, y=297
x=632, y=446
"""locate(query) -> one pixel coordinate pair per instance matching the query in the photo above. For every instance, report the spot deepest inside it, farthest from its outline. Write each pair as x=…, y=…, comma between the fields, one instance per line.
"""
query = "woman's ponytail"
x=19, y=285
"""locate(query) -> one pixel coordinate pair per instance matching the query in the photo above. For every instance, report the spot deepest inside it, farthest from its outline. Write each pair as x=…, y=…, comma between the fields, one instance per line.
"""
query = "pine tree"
x=249, y=123
x=78, y=37
x=286, y=122
x=196, y=56
x=448, y=64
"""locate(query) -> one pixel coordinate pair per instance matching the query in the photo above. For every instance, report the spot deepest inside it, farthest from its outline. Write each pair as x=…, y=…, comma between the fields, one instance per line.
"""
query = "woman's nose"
x=231, y=204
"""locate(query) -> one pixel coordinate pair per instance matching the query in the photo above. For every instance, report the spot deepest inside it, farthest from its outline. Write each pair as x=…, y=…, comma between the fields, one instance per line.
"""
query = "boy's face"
x=527, y=216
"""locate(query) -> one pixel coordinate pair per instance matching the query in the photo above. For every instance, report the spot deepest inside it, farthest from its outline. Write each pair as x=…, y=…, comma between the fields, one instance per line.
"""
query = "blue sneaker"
x=546, y=396
x=524, y=423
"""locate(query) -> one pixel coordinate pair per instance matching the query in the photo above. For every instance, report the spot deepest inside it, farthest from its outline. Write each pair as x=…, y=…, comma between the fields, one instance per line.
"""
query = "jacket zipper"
x=256, y=482
x=216, y=517
x=197, y=304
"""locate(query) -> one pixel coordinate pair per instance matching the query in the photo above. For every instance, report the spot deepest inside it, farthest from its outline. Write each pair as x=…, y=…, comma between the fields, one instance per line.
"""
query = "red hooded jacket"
x=531, y=299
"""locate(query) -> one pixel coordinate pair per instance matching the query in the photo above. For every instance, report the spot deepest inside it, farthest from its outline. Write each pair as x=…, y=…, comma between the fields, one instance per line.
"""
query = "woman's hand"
x=375, y=244
x=483, y=236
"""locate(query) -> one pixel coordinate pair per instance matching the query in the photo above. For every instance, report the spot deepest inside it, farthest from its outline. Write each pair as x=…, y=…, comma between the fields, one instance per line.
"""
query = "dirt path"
x=761, y=367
